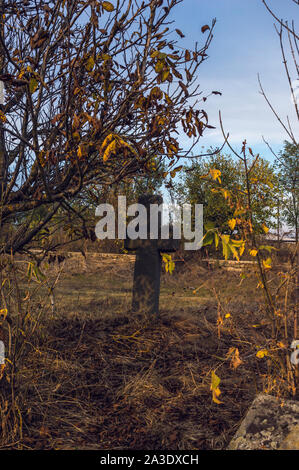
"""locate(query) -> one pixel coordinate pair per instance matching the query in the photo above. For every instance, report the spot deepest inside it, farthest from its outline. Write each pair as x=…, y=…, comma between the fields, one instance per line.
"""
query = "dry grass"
x=95, y=376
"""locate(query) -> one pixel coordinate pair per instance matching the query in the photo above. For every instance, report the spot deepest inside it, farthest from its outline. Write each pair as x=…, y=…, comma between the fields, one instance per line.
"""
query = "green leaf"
x=225, y=246
x=215, y=381
x=209, y=225
x=38, y=274
x=33, y=84
x=269, y=248
x=233, y=250
x=208, y=239
x=216, y=239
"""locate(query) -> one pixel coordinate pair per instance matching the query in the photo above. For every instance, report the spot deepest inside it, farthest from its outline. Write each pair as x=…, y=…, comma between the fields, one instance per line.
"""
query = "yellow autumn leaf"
x=113, y=142
x=3, y=312
x=111, y=148
x=79, y=151
x=236, y=361
x=154, y=54
x=225, y=238
x=107, y=140
x=234, y=251
x=122, y=142
x=216, y=394
x=168, y=263
x=108, y=6
x=21, y=74
x=2, y=117
x=167, y=98
x=90, y=64
x=228, y=315
x=265, y=228
x=2, y=369
x=232, y=223
x=267, y=263
x=175, y=170
x=233, y=353
x=165, y=74
x=171, y=266
x=253, y=252
x=262, y=353
x=215, y=381
x=239, y=244
x=215, y=174
x=242, y=248
x=225, y=193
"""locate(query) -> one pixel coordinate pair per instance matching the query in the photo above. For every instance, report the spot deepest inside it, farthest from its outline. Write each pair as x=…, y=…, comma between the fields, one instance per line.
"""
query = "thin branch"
x=289, y=132
x=284, y=25
x=287, y=72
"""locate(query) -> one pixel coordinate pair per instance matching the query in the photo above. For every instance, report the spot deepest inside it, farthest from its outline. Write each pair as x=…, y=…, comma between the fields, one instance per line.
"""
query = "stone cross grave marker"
x=146, y=285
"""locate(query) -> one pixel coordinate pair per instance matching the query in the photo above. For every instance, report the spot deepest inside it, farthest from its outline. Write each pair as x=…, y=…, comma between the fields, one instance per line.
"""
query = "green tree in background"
x=218, y=182
x=197, y=187
x=288, y=167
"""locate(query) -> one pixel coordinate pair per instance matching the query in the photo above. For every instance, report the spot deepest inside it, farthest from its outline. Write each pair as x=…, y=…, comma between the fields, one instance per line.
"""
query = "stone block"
x=270, y=424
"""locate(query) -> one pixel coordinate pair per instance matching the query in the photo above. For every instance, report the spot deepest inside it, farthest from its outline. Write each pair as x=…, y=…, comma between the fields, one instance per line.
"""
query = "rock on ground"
x=270, y=424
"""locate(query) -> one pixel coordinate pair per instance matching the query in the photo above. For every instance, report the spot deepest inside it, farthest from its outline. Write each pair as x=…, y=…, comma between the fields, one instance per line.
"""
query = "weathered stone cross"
x=146, y=286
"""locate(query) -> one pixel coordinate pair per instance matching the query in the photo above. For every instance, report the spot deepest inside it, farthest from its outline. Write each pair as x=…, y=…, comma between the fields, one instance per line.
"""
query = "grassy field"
x=93, y=375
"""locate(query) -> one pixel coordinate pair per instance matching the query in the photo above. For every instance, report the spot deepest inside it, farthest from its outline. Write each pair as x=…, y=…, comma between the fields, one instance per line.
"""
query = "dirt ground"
x=93, y=375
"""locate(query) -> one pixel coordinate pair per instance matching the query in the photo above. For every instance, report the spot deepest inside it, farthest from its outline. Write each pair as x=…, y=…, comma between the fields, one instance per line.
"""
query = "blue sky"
x=245, y=43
